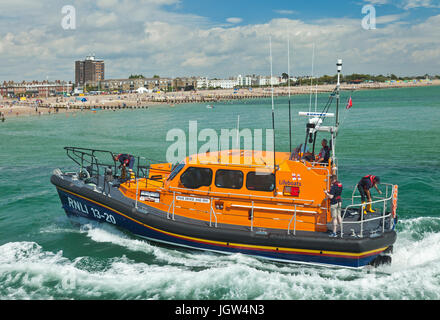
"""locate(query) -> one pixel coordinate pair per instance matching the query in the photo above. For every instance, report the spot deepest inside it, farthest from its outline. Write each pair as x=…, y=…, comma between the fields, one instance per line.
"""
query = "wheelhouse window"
x=260, y=182
x=194, y=177
x=232, y=179
x=176, y=170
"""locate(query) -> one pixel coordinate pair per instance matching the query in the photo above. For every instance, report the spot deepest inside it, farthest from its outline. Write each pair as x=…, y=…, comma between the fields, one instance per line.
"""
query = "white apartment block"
x=267, y=81
x=244, y=81
x=205, y=83
x=241, y=81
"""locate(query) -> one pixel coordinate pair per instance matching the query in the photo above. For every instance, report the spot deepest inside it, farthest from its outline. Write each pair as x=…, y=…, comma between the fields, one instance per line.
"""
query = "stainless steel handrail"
x=252, y=216
x=362, y=205
x=239, y=195
x=384, y=184
x=273, y=209
x=367, y=220
x=171, y=204
x=294, y=224
x=212, y=211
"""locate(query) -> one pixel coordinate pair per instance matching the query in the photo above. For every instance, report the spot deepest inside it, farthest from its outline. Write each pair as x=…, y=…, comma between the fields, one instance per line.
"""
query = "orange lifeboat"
x=267, y=204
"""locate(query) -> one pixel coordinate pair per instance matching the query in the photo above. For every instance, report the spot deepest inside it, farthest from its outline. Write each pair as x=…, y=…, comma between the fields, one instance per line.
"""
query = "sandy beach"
x=53, y=105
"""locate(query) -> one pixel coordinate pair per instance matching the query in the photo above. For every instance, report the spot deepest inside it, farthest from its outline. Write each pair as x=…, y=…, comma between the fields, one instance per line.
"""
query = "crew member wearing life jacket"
x=126, y=160
x=335, y=203
x=364, y=186
x=324, y=154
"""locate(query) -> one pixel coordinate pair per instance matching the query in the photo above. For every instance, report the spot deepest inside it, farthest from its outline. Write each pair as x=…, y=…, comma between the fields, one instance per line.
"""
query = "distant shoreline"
x=54, y=105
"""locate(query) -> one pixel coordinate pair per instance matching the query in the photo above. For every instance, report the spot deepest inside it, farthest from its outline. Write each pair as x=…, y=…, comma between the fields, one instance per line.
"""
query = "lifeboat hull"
x=155, y=225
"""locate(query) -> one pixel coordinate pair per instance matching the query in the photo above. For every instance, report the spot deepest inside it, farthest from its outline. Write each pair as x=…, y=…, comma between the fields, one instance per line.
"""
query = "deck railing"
x=385, y=202
x=94, y=163
x=213, y=219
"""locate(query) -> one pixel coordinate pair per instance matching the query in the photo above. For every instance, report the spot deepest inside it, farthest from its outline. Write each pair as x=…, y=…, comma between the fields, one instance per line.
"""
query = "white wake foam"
x=27, y=271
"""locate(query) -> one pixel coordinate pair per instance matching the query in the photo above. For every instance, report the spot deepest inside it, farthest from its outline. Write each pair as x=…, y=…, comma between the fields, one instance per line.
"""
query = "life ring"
x=394, y=202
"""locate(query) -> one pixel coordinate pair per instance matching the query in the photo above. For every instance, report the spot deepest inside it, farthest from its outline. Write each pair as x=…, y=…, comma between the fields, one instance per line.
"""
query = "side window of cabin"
x=232, y=179
x=260, y=182
x=194, y=177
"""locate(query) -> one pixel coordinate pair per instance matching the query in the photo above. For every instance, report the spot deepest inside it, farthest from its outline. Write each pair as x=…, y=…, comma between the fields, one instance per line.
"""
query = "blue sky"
x=263, y=11
x=253, y=12
x=217, y=38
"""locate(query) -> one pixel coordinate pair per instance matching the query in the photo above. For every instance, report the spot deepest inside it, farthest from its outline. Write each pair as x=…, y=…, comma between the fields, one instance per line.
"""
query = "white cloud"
x=234, y=20
x=102, y=19
x=106, y=3
x=410, y=4
x=377, y=2
x=390, y=18
x=142, y=36
x=285, y=12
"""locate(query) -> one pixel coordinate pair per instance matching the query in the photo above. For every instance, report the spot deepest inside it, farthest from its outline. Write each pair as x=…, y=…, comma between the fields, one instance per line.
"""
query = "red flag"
x=349, y=104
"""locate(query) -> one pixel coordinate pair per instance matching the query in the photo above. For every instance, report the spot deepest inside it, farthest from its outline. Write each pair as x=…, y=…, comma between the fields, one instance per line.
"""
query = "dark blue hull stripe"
x=79, y=206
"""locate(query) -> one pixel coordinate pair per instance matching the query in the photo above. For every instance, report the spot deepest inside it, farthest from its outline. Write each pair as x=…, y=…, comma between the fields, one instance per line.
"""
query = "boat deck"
x=352, y=228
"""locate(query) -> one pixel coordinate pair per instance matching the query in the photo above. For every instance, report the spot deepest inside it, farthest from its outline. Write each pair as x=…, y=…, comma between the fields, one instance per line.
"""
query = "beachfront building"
x=202, y=83
x=223, y=83
x=205, y=83
x=35, y=88
x=89, y=70
x=113, y=85
x=245, y=81
x=185, y=83
x=267, y=81
x=239, y=81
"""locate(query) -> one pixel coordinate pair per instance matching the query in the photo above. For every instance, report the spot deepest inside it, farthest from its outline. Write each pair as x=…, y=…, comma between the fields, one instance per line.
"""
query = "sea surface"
x=392, y=133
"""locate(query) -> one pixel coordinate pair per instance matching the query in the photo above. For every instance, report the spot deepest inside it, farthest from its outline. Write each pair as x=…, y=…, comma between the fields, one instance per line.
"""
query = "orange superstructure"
x=238, y=187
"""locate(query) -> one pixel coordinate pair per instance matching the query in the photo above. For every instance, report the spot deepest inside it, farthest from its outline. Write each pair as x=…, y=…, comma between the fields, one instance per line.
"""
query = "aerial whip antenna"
x=288, y=84
x=338, y=85
x=311, y=78
x=273, y=112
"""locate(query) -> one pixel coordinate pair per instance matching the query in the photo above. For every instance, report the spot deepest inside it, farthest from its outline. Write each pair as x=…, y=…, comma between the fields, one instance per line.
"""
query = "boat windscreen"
x=176, y=170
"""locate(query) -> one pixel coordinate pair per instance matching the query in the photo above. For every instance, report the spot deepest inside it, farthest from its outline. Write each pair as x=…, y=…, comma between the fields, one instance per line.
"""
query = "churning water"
x=391, y=133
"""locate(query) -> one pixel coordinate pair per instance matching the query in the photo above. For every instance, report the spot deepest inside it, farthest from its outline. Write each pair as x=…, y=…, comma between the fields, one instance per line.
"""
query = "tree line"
x=358, y=77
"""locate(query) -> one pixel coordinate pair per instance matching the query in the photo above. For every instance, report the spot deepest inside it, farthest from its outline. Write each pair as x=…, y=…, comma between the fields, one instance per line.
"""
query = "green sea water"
x=391, y=133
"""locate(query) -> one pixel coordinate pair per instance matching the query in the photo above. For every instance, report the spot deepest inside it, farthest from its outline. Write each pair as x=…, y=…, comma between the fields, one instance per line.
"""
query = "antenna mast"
x=238, y=130
x=273, y=114
x=311, y=78
x=338, y=85
x=288, y=84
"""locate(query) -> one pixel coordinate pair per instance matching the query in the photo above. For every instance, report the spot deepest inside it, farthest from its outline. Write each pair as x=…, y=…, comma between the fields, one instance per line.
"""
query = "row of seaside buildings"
x=181, y=83
x=89, y=76
x=35, y=88
x=46, y=88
